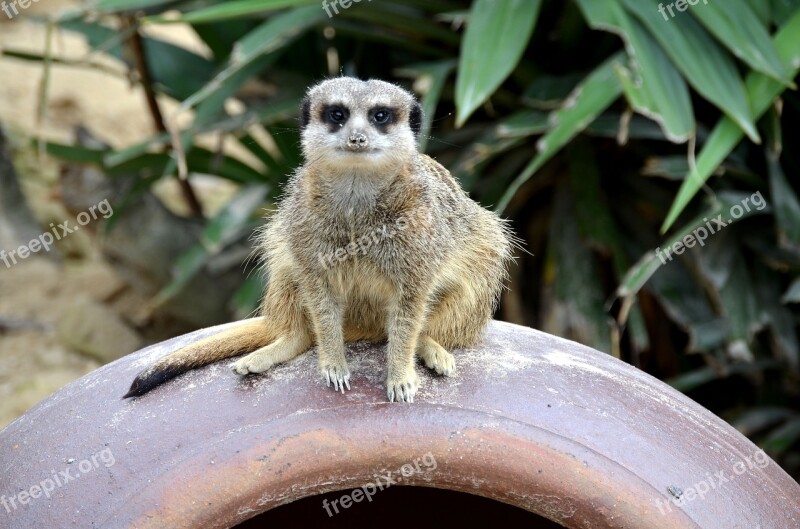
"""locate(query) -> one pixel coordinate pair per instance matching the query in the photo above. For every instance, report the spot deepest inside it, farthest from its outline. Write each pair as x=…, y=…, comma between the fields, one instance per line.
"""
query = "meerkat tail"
x=241, y=339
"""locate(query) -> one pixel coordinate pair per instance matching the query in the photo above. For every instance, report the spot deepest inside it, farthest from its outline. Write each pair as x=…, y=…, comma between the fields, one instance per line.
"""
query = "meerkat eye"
x=382, y=116
x=337, y=115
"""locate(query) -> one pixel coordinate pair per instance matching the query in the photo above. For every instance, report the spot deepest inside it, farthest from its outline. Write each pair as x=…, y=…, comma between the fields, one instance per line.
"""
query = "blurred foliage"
x=608, y=130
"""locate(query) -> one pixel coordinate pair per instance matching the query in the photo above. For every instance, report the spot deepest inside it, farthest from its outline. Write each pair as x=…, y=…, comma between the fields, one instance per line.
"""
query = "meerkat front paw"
x=402, y=388
x=338, y=375
x=436, y=357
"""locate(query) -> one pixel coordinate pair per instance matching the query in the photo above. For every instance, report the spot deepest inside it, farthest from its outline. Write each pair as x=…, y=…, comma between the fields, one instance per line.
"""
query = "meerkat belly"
x=366, y=294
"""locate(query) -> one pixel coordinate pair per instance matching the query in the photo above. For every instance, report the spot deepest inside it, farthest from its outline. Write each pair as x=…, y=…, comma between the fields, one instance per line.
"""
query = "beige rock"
x=95, y=279
x=92, y=329
x=30, y=391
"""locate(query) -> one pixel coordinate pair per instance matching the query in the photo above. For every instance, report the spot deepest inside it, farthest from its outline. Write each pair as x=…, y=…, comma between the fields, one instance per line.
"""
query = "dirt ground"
x=42, y=295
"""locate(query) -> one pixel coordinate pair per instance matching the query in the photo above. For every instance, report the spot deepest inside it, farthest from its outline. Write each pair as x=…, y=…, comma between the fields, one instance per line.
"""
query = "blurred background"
x=143, y=141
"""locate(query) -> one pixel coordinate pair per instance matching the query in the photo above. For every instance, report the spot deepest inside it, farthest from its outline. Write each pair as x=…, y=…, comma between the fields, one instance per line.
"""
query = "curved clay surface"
x=530, y=419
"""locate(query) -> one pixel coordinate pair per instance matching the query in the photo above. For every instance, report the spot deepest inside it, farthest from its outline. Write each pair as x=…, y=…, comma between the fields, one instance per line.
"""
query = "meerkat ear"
x=305, y=113
x=415, y=118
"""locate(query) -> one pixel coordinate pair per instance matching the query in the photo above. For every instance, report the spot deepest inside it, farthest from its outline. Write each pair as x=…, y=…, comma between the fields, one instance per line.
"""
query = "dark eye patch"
x=415, y=118
x=335, y=116
x=305, y=113
x=382, y=117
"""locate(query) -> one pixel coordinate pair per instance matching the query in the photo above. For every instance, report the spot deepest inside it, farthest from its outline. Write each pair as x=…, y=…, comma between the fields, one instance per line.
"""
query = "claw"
x=338, y=377
x=401, y=391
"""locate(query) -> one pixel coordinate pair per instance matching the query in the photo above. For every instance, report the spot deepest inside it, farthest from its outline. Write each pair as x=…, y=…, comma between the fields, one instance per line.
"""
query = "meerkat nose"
x=357, y=141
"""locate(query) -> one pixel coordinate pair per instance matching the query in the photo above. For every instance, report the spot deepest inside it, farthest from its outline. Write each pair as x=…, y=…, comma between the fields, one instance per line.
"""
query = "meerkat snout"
x=357, y=141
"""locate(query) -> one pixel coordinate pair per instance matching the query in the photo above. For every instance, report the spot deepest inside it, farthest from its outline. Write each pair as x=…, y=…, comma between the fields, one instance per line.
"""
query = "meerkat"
x=373, y=241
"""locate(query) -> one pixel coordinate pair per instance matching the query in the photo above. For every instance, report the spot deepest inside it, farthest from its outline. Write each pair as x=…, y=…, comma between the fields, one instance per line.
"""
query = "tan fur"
x=372, y=241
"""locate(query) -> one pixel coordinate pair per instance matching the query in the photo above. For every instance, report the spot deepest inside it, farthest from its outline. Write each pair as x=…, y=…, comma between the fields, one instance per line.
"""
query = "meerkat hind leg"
x=281, y=350
x=435, y=356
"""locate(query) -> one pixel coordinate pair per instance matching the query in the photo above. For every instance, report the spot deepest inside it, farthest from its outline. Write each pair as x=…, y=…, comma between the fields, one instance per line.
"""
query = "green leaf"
x=116, y=6
x=548, y=92
x=755, y=420
x=220, y=231
x=212, y=105
x=576, y=309
x=228, y=10
x=654, y=87
x=614, y=125
x=706, y=65
x=783, y=438
x=220, y=37
x=400, y=38
x=75, y=153
x=669, y=167
x=274, y=112
x=598, y=228
x=77, y=63
x=496, y=36
x=783, y=10
x=408, y=20
x=204, y=161
x=148, y=165
x=431, y=77
x=701, y=227
x=763, y=10
x=792, y=294
x=587, y=101
x=250, y=55
x=468, y=166
x=123, y=155
x=785, y=203
x=506, y=135
x=200, y=160
x=740, y=307
x=661, y=93
x=247, y=296
x=175, y=70
x=762, y=91
x=699, y=377
x=777, y=316
x=738, y=27
x=523, y=123
x=267, y=38
x=688, y=307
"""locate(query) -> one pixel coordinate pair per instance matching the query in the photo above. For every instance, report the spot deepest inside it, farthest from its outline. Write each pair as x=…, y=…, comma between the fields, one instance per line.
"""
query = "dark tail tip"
x=150, y=378
x=131, y=393
x=141, y=385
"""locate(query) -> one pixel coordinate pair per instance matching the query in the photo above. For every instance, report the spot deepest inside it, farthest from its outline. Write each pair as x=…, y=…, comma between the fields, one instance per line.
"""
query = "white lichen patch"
x=566, y=360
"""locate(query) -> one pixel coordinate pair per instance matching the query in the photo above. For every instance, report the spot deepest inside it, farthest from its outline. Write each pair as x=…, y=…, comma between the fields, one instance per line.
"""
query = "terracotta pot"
x=540, y=424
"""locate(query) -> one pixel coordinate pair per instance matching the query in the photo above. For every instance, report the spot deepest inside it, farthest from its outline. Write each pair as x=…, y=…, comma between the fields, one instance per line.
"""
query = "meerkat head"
x=348, y=123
